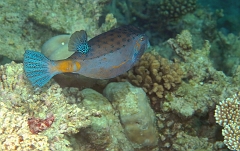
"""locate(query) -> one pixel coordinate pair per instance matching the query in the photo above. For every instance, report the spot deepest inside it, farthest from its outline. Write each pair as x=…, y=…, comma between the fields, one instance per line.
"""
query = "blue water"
x=231, y=9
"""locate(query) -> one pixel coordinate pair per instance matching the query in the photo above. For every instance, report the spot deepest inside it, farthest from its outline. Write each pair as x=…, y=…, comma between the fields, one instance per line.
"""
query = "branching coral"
x=174, y=8
x=227, y=114
x=156, y=75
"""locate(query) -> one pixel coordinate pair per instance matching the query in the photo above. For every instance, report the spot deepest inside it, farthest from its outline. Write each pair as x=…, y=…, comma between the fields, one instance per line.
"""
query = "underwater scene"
x=120, y=75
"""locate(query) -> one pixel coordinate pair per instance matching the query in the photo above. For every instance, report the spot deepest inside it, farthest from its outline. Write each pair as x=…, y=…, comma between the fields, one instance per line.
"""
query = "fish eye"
x=142, y=38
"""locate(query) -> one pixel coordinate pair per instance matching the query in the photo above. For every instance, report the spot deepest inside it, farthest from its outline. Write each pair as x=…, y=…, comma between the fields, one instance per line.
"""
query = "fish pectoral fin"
x=78, y=42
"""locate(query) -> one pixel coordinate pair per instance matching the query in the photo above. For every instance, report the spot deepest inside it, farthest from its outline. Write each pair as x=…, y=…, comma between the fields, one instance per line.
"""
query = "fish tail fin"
x=37, y=68
x=78, y=42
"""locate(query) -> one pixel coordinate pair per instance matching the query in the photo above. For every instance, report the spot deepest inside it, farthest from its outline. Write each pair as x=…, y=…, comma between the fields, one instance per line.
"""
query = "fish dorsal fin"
x=78, y=42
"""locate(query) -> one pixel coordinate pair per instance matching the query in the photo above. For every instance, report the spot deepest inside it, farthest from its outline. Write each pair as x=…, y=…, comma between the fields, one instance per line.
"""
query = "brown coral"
x=177, y=8
x=156, y=75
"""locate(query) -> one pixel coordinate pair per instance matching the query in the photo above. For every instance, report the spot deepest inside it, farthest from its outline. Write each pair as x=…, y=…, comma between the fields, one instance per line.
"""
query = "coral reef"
x=82, y=120
x=27, y=25
x=21, y=96
x=136, y=116
x=15, y=134
x=11, y=22
x=227, y=114
x=177, y=133
x=64, y=19
x=183, y=92
x=187, y=142
x=156, y=75
x=183, y=110
x=200, y=78
x=182, y=43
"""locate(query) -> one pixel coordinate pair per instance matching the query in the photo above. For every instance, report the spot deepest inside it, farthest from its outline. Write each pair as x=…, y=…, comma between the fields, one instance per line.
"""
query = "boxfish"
x=103, y=57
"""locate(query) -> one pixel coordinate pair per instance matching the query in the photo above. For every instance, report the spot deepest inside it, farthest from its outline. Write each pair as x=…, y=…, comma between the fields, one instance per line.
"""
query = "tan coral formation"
x=182, y=43
x=184, y=40
x=156, y=75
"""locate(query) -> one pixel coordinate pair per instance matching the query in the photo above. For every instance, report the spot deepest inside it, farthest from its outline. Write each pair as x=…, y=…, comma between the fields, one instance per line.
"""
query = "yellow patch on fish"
x=67, y=66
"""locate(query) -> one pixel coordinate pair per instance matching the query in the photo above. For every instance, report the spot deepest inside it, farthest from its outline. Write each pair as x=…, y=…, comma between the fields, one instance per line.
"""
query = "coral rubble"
x=21, y=96
x=15, y=134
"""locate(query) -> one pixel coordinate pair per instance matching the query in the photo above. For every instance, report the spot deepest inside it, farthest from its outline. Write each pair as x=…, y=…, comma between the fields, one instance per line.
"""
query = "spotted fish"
x=108, y=55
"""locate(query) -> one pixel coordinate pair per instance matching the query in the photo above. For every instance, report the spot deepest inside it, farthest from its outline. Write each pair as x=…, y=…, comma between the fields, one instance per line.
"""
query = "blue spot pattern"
x=83, y=48
x=36, y=67
x=78, y=42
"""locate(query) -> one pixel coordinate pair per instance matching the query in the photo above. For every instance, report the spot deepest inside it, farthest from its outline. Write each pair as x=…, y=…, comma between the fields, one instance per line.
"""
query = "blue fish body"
x=102, y=57
x=112, y=53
